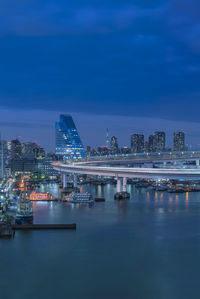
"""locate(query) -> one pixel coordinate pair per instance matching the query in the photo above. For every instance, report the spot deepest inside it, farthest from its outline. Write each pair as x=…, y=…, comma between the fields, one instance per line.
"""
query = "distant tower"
x=107, y=139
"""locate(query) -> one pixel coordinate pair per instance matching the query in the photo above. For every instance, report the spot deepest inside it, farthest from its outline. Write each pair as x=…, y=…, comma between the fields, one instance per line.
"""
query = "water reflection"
x=161, y=197
x=148, y=196
x=122, y=206
x=187, y=201
x=156, y=196
x=171, y=202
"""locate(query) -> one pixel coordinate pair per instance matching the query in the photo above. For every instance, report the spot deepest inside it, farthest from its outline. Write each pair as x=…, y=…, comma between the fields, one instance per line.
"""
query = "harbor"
x=43, y=226
x=102, y=228
x=17, y=205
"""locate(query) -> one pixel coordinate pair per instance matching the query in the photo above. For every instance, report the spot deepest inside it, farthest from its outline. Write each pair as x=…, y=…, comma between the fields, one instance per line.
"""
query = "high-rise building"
x=179, y=141
x=30, y=148
x=16, y=148
x=150, y=143
x=68, y=141
x=3, y=157
x=114, y=148
x=137, y=143
x=159, y=141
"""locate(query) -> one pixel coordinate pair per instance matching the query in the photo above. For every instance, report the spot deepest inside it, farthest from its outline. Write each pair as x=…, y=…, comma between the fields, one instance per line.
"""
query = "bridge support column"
x=121, y=189
x=197, y=162
x=75, y=180
x=124, y=186
x=119, y=185
x=64, y=180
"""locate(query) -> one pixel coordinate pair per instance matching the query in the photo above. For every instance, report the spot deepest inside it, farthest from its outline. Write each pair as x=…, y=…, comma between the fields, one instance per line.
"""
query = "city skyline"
x=141, y=62
x=100, y=149
x=89, y=125
x=68, y=142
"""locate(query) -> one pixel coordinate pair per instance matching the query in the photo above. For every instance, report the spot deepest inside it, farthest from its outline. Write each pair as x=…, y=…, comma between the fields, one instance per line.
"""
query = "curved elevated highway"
x=127, y=172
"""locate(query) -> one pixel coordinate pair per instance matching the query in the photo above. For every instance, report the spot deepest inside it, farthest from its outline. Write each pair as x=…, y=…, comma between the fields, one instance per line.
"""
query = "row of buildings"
x=70, y=146
x=16, y=157
x=27, y=157
x=155, y=143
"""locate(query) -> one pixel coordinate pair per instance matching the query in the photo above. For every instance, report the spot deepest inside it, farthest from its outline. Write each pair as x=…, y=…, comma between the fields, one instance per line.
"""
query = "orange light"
x=40, y=196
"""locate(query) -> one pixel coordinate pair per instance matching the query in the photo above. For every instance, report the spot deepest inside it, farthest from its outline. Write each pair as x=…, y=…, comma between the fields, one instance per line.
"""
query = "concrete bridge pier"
x=124, y=186
x=122, y=189
x=198, y=163
x=64, y=180
x=119, y=185
x=75, y=180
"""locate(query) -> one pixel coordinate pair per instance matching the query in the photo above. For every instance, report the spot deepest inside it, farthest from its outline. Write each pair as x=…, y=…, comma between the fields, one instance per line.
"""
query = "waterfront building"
x=68, y=141
x=179, y=141
x=114, y=148
x=23, y=165
x=137, y=143
x=159, y=141
x=45, y=167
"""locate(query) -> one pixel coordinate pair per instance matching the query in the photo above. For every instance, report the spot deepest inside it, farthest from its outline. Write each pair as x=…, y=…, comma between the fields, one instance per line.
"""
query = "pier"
x=43, y=226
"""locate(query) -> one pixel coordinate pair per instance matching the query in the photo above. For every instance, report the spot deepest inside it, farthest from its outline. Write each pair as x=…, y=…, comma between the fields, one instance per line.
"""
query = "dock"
x=43, y=226
x=6, y=230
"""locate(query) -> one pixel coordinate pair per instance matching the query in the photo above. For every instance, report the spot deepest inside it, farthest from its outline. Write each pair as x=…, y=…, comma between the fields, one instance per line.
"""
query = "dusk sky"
x=131, y=66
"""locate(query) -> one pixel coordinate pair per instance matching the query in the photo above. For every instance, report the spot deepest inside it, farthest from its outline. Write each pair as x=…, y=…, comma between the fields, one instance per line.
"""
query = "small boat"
x=176, y=190
x=24, y=214
x=79, y=198
x=161, y=188
x=12, y=205
x=99, y=199
x=5, y=230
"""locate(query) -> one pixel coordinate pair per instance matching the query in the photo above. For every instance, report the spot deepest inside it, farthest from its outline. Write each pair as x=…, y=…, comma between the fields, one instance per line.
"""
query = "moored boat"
x=99, y=199
x=24, y=213
x=79, y=198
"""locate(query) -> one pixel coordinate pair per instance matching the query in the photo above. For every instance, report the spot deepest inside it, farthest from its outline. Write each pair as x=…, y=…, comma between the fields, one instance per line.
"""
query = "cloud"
x=184, y=22
x=135, y=58
x=41, y=18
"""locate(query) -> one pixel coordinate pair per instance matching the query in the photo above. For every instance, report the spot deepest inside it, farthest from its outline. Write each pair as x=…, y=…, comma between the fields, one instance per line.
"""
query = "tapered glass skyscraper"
x=68, y=141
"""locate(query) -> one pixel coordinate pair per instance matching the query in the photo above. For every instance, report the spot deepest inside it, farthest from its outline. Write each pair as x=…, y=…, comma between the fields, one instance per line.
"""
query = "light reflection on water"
x=145, y=247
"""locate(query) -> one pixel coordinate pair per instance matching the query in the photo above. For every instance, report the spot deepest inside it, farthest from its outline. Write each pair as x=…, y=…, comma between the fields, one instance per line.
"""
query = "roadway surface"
x=127, y=172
